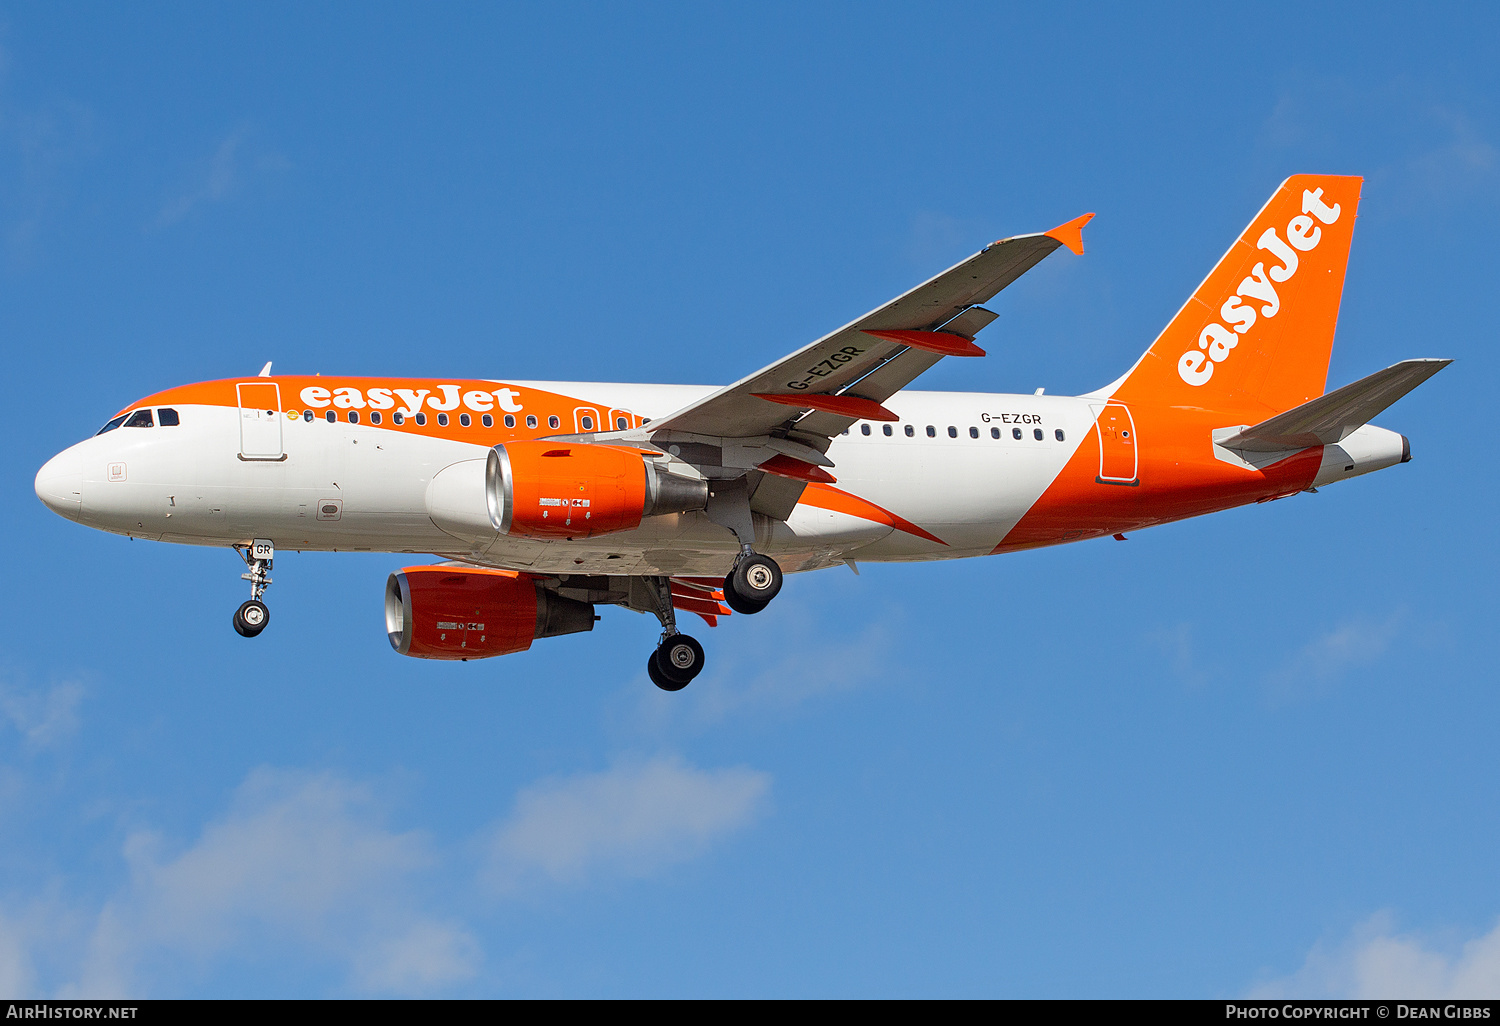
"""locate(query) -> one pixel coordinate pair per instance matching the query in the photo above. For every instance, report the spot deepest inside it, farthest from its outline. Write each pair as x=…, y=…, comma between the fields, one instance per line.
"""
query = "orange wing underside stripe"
x=827, y=497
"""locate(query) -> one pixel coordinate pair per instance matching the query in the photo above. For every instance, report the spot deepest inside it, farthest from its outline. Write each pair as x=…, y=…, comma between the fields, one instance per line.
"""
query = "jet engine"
x=538, y=489
x=442, y=612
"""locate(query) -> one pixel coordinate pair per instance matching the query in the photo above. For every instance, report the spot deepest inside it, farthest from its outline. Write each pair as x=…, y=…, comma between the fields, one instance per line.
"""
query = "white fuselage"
x=965, y=466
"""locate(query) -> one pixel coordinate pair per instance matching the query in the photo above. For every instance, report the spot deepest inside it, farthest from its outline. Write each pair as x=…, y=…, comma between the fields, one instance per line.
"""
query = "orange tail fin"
x=1257, y=334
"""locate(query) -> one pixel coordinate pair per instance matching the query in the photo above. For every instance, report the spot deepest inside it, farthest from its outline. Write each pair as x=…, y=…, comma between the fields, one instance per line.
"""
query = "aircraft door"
x=1119, y=460
x=260, y=420
x=586, y=420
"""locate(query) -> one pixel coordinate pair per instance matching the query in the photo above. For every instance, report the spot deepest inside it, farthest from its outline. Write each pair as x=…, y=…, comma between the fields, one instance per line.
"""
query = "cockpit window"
x=167, y=418
x=111, y=425
x=140, y=418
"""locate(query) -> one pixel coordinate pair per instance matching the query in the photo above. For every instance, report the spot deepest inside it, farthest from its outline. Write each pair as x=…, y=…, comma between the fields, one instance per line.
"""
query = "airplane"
x=545, y=500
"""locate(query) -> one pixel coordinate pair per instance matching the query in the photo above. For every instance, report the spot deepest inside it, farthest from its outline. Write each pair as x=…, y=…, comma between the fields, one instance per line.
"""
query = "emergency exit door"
x=260, y=420
x=1119, y=457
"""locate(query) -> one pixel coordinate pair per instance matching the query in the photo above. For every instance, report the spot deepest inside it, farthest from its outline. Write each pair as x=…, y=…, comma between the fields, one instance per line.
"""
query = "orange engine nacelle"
x=441, y=612
x=539, y=489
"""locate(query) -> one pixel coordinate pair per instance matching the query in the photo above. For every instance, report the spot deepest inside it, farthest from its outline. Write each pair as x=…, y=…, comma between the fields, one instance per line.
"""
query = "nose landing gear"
x=253, y=616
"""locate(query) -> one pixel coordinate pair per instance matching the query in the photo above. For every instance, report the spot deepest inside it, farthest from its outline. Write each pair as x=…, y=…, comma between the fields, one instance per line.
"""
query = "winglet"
x=265, y=372
x=1071, y=234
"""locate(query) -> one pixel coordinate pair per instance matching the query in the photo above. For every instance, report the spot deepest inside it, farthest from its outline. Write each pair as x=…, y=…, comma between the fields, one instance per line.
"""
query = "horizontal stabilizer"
x=1333, y=417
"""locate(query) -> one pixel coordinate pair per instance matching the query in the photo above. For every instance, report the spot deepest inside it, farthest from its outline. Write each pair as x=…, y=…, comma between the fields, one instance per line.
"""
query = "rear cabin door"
x=260, y=420
x=1119, y=461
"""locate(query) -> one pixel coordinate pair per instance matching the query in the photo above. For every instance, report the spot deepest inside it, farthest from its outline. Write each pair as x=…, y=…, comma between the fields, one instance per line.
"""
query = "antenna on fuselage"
x=265, y=372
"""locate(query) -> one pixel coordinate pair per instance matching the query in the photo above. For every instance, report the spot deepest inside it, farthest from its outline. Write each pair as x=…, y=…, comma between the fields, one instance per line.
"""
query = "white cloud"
x=1431, y=155
x=629, y=820
x=219, y=177
x=41, y=152
x=300, y=857
x=1376, y=962
x=16, y=975
x=429, y=955
x=43, y=718
x=1357, y=641
x=1176, y=644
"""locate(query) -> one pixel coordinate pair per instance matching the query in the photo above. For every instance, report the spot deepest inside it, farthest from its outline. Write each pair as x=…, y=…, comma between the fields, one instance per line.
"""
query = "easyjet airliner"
x=545, y=500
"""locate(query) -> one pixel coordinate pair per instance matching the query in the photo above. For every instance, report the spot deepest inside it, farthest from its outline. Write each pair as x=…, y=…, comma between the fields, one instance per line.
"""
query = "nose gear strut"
x=253, y=616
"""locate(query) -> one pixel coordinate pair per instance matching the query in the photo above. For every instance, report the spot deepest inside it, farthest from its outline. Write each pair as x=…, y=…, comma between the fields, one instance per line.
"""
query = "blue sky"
x=1250, y=753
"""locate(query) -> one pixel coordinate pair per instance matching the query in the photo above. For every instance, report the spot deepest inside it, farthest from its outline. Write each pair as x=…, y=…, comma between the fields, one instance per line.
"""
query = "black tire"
x=656, y=678
x=679, y=659
x=251, y=618
x=739, y=605
x=752, y=584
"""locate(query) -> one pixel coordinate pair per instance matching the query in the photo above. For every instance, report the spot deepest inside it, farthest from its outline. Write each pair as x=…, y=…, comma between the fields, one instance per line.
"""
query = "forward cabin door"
x=1119, y=460
x=260, y=420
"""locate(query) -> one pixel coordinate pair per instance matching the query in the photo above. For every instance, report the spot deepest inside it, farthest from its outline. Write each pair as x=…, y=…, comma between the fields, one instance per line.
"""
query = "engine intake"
x=538, y=489
x=442, y=612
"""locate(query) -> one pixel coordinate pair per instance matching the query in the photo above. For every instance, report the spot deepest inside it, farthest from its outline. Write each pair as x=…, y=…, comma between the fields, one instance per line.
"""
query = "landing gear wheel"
x=656, y=678
x=739, y=605
x=752, y=584
x=677, y=661
x=251, y=618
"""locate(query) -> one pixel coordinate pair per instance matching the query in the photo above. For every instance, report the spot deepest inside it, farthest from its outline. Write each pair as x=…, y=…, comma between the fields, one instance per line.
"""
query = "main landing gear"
x=749, y=588
x=678, y=658
x=252, y=617
x=753, y=582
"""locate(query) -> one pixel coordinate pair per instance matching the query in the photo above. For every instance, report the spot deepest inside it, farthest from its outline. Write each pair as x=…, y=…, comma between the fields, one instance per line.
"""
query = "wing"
x=821, y=389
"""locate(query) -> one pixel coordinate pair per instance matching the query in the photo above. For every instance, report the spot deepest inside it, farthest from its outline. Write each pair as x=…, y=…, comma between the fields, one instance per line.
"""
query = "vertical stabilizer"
x=1258, y=332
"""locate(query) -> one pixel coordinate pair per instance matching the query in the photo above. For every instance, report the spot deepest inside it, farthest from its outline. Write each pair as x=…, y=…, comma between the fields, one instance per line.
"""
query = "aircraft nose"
x=59, y=484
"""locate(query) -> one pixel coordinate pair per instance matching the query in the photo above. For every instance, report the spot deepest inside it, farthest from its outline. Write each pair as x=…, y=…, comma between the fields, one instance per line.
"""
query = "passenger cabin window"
x=421, y=420
x=910, y=431
x=111, y=425
x=375, y=418
x=354, y=416
x=442, y=420
x=1037, y=434
x=973, y=432
x=489, y=421
x=140, y=418
x=994, y=432
x=554, y=423
x=167, y=418
x=1015, y=433
x=464, y=420
x=398, y=418
x=510, y=421
x=330, y=416
x=530, y=420
x=931, y=431
x=952, y=431
x=307, y=416
x=886, y=430
x=1059, y=435
x=864, y=429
